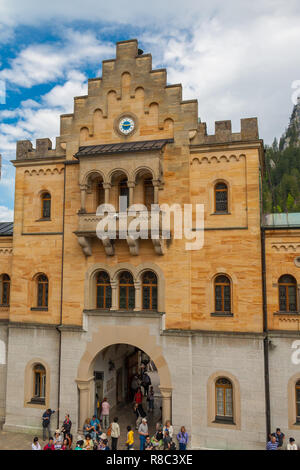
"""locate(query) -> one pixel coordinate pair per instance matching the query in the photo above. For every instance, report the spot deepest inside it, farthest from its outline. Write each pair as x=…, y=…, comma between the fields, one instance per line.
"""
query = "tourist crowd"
x=101, y=433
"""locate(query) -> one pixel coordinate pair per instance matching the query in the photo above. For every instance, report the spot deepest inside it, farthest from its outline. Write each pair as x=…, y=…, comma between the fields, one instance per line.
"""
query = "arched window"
x=103, y=290
x=224, y=400
x=149, y=286
x=46, y=206
x=222, y=294
x=287, y=293
x=5, y=290
x=221, y=197
x=126, y=291
x=124, y=190
x=39, y=384
x=42, y=290
x=298, y=401
x=148, y=193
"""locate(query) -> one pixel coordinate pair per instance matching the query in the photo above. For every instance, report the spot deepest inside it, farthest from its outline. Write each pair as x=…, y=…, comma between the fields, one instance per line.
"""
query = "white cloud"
x=6, y=214
x=62, y=95
x=35, y=120
x=242, y=71
x=45, y=63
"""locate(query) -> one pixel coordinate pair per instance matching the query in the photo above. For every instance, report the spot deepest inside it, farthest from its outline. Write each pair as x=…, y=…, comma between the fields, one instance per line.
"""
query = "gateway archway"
x=128, y=340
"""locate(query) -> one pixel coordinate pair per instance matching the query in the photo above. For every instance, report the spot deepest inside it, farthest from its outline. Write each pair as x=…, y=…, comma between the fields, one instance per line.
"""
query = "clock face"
x=126, y=125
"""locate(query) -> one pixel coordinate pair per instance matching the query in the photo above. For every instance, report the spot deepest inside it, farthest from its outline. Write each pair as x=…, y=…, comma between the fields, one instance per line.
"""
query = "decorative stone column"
x=86, y=405
x=156, y=184
x=114, y=295
x=131, y=185
x=166, y=394
x=138, y=296
x=107, y=187
x=83, y=190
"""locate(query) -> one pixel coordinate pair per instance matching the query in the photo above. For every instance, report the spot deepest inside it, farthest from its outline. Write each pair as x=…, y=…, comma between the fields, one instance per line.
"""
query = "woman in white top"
x=168, y=427
x=58, y=440
x=35, y=445
x=291, y=444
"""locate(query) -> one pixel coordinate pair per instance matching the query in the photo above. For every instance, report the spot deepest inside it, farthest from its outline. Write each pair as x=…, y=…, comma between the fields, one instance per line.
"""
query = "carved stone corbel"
x=86, y=246
x=159, y=246
x=133, y=246
x=108, y=246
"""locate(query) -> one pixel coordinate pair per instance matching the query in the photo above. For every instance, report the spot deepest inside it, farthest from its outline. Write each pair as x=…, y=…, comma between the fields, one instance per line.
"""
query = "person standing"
x=182, y=438
x=146, y=382
x=138, y=397
x=66, y=427
x=46, y=423
x=134, y=386
x=150, y=400
x=36, y=445
x=143, y=433
x=272, y=444
x=130, y=438
x=291, y=445
x=279, y=438
x=168, y=427
x=105, y=406
x=115, y=434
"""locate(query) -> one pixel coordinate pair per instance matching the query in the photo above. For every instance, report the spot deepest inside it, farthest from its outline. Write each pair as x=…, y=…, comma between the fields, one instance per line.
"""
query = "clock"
x=126, y=125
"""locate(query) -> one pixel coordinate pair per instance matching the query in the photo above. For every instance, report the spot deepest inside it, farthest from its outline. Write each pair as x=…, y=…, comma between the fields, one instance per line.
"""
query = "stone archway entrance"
x=137, y=337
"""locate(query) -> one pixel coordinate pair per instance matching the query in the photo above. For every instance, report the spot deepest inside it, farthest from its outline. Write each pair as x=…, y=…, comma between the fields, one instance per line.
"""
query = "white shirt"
x=292, y=446
x=36, y=446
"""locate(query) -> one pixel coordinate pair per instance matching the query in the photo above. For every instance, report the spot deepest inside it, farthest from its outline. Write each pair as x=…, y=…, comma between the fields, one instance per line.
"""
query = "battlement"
x=43, y=149
x=223, y=132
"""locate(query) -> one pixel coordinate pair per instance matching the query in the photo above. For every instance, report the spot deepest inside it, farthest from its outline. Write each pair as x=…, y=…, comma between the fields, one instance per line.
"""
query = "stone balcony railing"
x=120, y=228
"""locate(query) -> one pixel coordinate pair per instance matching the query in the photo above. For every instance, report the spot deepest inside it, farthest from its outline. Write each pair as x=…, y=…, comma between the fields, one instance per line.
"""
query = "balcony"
x=121, y=227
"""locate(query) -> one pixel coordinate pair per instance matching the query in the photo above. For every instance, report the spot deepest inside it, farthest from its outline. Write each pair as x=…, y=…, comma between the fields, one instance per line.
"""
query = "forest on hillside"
x=281, y=181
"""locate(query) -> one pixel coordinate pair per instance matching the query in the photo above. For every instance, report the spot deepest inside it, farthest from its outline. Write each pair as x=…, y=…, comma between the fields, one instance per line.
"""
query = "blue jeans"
x=182, y=446
x=142, y=442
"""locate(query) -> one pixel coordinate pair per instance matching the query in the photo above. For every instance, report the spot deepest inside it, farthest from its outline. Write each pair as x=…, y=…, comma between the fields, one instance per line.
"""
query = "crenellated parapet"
x=43, y=149
x=223, y=132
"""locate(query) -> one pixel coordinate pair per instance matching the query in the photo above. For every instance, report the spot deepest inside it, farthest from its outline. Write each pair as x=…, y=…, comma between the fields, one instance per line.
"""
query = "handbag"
x=109, y=431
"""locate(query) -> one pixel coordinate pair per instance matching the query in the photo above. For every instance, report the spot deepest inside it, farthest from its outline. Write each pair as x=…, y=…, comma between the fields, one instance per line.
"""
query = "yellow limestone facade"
x=192, y=345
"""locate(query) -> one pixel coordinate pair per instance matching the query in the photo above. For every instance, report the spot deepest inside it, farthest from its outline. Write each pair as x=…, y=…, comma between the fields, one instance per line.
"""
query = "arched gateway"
x=106, y=336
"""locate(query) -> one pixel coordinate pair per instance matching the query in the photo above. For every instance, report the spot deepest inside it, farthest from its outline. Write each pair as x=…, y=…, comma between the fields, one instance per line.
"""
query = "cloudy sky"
x=238, y=58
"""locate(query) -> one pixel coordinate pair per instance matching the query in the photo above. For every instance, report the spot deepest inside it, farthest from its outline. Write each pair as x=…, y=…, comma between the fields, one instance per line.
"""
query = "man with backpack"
x=46, y=422
x=146, y=382
x=139, y=413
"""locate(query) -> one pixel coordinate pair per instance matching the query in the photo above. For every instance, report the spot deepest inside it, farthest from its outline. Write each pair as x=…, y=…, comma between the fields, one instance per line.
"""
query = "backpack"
x=146, y=380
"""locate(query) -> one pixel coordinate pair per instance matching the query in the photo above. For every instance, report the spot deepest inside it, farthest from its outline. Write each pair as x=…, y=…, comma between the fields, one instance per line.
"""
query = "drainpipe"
x=265, y=329
x=61, y=299
x=265, y=312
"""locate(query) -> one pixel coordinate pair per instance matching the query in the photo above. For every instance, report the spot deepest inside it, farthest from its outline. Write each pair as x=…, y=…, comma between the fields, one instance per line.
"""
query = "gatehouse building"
x=220, y=323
